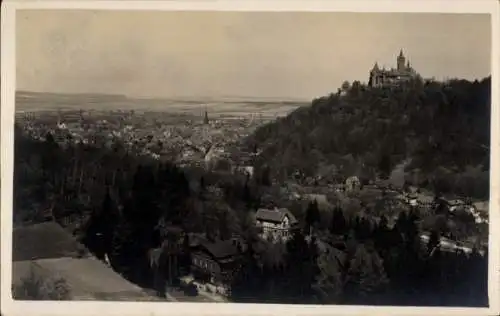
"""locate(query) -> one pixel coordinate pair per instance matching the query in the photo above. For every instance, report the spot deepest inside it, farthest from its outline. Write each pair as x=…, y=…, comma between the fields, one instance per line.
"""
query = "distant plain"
x=31, y=101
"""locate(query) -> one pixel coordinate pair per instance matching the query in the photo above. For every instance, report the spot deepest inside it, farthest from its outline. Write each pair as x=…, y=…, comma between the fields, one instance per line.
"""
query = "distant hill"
x=442, y=128
x=30, y=94
x=197, y=100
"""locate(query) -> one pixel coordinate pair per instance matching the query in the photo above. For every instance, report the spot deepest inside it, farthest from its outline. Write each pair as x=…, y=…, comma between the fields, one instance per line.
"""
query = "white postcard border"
x=8, y=75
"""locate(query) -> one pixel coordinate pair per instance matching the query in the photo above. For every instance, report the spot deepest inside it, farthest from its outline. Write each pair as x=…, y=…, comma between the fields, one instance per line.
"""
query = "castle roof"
x=408, y=71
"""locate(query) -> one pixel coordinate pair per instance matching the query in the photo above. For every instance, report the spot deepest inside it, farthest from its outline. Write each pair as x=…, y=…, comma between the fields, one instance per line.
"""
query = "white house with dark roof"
x=276, y=224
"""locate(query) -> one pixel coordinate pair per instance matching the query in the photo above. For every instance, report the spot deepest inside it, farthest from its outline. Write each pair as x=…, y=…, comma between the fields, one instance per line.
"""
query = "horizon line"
x=174, y=98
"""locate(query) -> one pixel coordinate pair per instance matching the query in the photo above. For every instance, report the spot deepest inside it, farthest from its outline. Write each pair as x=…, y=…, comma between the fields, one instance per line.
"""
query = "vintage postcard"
x=249, y=157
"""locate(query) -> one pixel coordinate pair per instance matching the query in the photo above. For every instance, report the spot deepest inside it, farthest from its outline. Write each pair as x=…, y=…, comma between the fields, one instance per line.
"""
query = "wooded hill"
x=443, y=128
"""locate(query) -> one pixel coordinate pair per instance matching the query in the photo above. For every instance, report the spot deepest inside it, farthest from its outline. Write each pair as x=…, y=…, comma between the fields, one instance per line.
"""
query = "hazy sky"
x=273, y=54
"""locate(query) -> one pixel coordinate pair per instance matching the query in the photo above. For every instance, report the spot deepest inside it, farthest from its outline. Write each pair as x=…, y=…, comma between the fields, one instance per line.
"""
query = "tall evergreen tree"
x=301, y=267
x=365, y=276
x=100, y=228
x=312, y=216
x=338, y=225
x=381, y=235
x=433, y=242
x=247, y=285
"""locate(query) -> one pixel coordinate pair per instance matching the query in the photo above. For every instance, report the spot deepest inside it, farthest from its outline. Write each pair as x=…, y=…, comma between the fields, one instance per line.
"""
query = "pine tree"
x=247, y=285
x=338, y=225
x=312, y=215
x=266, y=176
x=100, y=228
x=329, y=282
x=401, y=223
x=365, y=276
x=301, y=267
x=412, y=233
x=49, y=138
x=124, y=247
x=440, y=207
x=384, y=165
x=224, y=232
x=184, y=253
x=433, y=243
x=202, y=183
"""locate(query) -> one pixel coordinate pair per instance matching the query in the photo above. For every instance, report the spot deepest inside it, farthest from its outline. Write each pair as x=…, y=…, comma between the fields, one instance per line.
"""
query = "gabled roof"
x=455, y=202
x=426, y=199
x=276, y=216
x=221, y=249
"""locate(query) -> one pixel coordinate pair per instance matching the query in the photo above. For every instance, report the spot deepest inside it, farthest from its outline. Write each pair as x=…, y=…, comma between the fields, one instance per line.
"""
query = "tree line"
x=121, y=206
x=125, y=205
x=442, y=127
x=364, y=262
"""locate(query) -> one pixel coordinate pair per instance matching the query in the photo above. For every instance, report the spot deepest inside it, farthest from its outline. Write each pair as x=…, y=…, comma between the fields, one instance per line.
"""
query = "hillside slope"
x=442, y=128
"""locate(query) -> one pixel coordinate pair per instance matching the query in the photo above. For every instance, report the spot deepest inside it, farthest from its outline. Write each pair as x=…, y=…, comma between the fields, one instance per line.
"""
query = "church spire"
x=401, y=53
x=205, y=119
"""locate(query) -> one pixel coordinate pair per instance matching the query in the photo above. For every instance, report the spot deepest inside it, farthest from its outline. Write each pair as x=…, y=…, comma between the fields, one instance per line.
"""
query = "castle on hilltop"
x=394, y=76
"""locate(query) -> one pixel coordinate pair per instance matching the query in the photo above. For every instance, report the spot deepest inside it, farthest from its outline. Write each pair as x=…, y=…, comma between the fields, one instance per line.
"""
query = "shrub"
x=35, y=287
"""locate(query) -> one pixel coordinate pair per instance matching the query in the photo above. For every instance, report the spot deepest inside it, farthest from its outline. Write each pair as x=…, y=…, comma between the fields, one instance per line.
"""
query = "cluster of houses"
x=478, y=210
x=218, y=260
x=414, y=198
x=215, y=262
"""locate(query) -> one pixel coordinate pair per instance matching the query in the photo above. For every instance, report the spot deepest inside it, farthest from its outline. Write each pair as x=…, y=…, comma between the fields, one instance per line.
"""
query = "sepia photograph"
x=265, y=157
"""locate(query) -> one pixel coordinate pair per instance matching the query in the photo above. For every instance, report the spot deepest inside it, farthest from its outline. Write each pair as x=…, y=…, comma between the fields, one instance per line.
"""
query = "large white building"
x=276, y=224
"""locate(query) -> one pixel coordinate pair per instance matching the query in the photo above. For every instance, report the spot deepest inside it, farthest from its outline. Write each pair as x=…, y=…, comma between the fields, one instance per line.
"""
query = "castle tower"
x=401, y=60
x=373, y=80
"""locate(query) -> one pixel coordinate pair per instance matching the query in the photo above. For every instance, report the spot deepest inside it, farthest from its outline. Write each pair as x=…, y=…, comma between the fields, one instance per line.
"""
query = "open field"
x=26, y=102
x=41, y=241
x=48, y=251
x=87, y=278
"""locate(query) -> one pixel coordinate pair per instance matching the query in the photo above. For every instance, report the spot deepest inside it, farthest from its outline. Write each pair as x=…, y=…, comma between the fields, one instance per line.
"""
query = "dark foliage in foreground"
x=378, y=266
x=126, y=204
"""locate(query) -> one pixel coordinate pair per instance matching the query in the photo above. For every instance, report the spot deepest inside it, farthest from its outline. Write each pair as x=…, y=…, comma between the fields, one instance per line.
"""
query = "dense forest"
x=124, y=206
x=442, y=129
x=121, y=204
